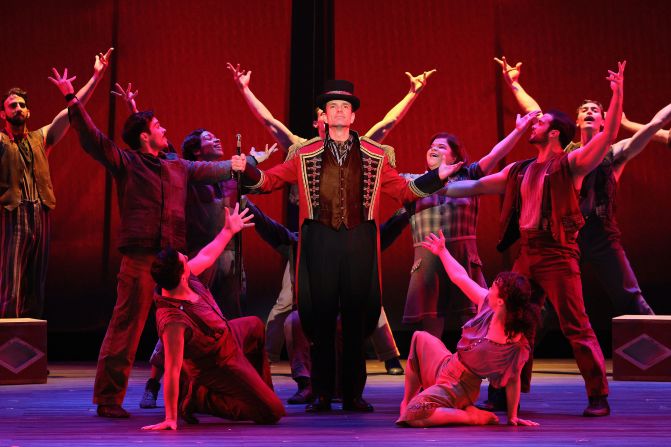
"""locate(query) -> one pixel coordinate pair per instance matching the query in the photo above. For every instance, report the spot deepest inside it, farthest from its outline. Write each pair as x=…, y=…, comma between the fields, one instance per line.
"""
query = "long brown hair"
x=522, y=315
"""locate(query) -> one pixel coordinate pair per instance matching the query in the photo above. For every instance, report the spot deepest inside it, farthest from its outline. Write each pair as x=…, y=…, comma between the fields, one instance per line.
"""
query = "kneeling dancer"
x=227, y=371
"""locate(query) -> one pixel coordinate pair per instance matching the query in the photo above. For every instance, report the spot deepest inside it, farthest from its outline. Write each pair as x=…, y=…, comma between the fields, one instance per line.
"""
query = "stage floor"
x=60, y=413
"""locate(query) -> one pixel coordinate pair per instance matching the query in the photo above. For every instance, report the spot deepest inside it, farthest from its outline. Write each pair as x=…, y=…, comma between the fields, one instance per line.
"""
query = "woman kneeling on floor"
x=441, y=387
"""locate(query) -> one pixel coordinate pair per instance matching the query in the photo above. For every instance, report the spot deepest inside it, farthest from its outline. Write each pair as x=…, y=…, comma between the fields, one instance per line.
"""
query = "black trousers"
x=341, y=270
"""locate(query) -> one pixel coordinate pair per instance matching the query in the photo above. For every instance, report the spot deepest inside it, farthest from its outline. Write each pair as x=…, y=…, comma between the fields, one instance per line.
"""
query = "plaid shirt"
x=457, y=218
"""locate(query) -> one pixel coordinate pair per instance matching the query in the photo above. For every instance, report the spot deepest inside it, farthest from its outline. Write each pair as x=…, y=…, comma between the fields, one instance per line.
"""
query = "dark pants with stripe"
x=24, y=252
x=600, y=246
x=340, y=267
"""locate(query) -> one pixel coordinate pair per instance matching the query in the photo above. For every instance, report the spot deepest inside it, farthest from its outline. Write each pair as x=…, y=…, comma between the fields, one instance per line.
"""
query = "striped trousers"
x=24, y=252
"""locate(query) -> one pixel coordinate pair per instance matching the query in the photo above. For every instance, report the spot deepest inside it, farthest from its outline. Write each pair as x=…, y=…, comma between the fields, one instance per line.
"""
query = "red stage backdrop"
x=175, y=53
x=567, y=49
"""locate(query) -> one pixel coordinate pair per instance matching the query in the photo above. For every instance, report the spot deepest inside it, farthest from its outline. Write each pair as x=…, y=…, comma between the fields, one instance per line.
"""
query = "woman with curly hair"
x=441, y=387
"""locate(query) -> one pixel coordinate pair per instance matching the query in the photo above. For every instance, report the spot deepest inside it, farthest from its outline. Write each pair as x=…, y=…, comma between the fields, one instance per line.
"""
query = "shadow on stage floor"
x=60, y=413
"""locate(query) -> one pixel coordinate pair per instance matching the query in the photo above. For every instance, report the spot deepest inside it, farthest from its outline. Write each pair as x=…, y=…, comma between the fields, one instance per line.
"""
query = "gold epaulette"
x=294, y=148
x=388, y=150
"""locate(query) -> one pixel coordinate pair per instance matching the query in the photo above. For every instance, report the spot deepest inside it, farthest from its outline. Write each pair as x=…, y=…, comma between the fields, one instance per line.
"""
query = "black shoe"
x=189, y=418
x=112, y=411
x=496, y=400
x=302, y=396
x=357, y=404
x=150, y=394
x=321, y=404
x=598, y=407
x=394, y=367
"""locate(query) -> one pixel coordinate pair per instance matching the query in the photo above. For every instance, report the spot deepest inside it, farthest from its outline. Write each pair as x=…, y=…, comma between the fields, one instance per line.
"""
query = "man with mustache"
x=541, y=208
x=27, y=198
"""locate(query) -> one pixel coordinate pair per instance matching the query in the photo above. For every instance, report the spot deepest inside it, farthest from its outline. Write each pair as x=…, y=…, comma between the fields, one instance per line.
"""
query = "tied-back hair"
x=522, y=315
x=453, y=141
x=167, y=269
x=564, y=124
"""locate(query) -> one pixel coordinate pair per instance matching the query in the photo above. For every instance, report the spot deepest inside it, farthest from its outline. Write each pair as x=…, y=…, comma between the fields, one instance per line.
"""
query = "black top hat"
x=338, y=89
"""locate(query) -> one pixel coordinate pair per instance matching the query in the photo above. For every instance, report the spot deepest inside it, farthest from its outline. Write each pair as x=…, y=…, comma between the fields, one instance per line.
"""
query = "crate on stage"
x=642, y=347
x=23, y=351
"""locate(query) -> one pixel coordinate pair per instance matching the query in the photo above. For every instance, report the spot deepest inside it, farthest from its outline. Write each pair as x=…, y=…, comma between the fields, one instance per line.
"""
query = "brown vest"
x=560, y=211
x=340, y=190
x=11, y=171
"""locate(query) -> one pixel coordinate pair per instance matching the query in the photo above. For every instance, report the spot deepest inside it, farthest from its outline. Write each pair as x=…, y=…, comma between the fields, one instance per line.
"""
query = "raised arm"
x=456, y=272
x=503, y=148
x=626, y=149
x=91, y=139
x=661, y=136
x=284, y=137
x=512, y=75
x=207, y=255
x=274, y=233
x=127, y=96
x=588, y=157
x=173, y=344
x=55, y=130
x=380, y=130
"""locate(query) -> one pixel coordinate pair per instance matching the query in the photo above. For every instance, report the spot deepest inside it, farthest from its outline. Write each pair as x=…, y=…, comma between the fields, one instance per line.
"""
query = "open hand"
x=263, y=155
x=445, y=170
x=521, y=123
x=63, y=83
x=523, y=422
x=435, y=244
x=128, y=96
x=236, y=221
x=418, y=82
x=168, y=424
x=101, y=63
x=510, y=74
x=239, y=76
x=617, y=79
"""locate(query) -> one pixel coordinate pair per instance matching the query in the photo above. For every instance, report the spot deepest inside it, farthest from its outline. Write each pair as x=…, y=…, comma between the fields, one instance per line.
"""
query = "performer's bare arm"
x=173, y=344
x=128, y=96
x=490, y=184
x=625, y=150
x=380, y=130
x=512, y=75
x=661, y=136
x=284, y=137
x=503, y=148
x=235, y=222
x=55, y=131
x=513, y=399
x=456, y=272
x=588, y=157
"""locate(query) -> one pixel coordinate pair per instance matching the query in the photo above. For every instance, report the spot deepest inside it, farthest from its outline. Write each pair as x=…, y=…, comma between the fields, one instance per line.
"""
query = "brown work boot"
x=112, y=411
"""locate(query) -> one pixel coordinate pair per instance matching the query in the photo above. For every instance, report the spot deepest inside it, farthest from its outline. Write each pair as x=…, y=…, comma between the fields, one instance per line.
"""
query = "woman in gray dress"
x=440, y=387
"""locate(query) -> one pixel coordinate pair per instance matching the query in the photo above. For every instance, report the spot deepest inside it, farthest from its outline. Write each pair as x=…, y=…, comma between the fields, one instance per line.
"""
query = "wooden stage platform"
x=60, y=413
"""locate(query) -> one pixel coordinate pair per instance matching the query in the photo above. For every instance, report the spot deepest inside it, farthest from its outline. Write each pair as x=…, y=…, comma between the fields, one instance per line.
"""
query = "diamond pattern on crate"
x=644, y=351
x=16, y=355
